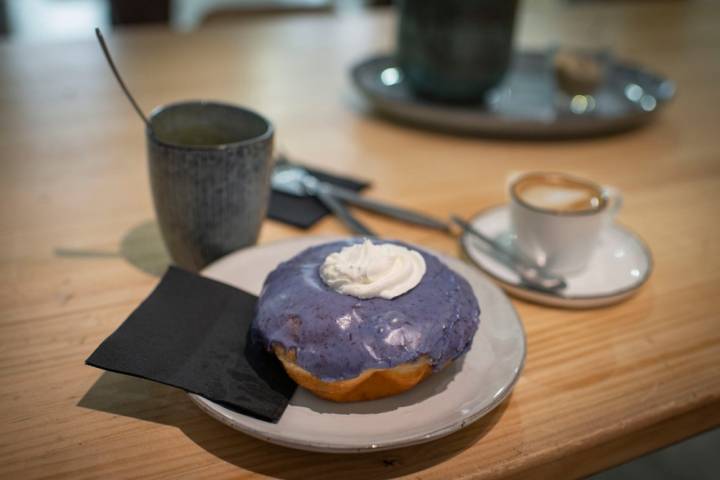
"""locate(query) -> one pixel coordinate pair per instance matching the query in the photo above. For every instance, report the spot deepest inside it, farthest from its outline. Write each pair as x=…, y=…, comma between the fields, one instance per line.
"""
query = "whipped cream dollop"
x=369, y=270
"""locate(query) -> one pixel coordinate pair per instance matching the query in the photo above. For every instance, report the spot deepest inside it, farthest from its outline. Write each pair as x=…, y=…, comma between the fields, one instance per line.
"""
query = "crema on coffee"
x=558, y=193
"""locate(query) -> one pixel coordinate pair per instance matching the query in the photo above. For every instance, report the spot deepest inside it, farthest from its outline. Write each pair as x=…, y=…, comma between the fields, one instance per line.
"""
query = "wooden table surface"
x=79, y=248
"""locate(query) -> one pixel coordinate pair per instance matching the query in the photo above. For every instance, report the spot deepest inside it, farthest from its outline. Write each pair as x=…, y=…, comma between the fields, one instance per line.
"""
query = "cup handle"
x=615, y=202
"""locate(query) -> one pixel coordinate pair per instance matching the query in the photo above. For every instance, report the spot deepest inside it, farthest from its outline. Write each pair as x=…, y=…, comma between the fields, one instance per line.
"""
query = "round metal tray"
x=526, y=104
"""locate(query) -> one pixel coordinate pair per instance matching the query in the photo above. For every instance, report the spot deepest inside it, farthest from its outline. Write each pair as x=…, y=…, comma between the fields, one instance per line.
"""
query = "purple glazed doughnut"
x=346, y=348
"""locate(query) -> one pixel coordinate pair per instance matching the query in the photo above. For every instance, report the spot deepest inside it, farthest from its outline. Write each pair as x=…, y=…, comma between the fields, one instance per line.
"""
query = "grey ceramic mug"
x=210, y=166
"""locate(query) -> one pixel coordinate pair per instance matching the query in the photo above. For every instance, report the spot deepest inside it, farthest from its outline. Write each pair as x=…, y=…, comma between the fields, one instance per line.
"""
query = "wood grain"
x=79, y=249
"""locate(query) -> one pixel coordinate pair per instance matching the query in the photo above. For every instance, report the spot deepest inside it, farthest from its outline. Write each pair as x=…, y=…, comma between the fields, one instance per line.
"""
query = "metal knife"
x=295, y=180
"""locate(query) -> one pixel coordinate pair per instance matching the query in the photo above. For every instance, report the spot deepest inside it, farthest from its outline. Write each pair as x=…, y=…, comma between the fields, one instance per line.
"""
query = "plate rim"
x=570, y=301
x=208, y=406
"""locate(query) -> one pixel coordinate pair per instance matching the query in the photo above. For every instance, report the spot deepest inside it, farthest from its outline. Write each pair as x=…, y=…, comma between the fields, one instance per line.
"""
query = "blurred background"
x=32, y=20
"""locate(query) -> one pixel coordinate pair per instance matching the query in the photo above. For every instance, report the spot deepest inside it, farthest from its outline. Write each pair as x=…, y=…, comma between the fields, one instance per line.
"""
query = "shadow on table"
x=137, y=398
x=142, y=247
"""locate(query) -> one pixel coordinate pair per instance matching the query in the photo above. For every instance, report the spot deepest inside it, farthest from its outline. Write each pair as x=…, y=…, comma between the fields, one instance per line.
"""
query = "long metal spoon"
x=296, y=180
x=129, y=96
x=532, y=275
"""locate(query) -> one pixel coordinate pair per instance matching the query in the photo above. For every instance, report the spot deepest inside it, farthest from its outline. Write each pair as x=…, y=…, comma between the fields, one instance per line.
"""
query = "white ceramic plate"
x=620, y=265
x=445, y=402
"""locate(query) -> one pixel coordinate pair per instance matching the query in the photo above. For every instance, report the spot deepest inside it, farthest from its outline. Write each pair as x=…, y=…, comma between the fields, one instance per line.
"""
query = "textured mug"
x=210, y=166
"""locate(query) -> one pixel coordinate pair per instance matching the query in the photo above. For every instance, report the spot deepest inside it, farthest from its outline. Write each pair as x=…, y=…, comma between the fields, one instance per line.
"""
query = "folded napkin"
x=303, y=212
x=192, y=333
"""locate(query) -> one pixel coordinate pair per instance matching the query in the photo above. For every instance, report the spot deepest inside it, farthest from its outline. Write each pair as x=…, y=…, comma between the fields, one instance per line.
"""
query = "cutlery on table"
x=295, y=180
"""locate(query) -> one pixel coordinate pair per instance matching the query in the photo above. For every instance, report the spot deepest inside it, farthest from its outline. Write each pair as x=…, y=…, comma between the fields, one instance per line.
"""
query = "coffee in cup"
x=557, y=218
x=558, y=193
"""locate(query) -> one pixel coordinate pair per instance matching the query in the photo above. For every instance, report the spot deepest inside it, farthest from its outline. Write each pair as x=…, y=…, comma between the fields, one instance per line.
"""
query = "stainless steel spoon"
x=119, y=79
x=295, y=180
x=531, y=274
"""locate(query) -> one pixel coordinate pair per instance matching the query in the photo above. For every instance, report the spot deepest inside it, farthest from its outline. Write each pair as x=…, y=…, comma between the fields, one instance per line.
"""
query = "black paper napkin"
x=192, y=333
x=303, y=212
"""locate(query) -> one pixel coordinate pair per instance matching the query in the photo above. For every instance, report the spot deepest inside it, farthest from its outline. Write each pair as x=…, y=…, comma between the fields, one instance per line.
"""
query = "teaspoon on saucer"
x=531, y=274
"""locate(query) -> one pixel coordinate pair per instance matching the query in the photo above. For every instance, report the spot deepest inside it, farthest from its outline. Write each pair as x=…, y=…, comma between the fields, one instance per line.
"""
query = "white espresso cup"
x=557, y=219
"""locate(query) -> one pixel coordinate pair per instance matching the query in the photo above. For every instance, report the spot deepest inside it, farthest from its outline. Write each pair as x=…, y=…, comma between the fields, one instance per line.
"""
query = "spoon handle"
x=387, y=210
x=129, y=96
x=335, y=206
x=530, y=273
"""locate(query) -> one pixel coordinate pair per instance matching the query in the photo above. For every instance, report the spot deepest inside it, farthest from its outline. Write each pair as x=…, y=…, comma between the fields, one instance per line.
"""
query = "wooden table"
x=79, y=248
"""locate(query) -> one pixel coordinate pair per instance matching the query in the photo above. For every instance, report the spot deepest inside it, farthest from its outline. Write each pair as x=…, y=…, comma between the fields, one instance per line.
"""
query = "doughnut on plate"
x=447, y=401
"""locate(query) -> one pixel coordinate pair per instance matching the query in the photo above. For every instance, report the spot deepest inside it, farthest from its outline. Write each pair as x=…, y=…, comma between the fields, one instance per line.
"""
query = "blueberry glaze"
x=338, y=336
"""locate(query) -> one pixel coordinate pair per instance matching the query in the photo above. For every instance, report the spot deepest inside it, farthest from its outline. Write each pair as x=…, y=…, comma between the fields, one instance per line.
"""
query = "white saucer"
x=447, y=401
x=620, y=265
